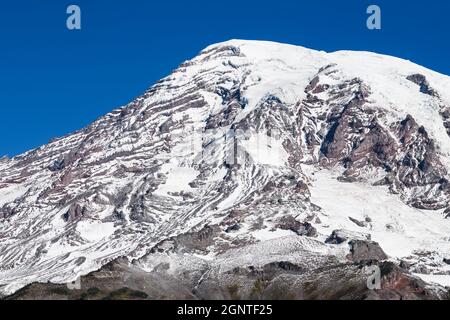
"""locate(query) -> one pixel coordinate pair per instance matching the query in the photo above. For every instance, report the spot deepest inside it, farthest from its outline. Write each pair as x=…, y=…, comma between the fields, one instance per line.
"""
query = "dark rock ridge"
x=119, y=280
x=422, y=82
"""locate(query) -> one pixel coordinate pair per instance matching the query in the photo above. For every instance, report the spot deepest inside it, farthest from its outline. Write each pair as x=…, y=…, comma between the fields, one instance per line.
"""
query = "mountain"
x=254, y=170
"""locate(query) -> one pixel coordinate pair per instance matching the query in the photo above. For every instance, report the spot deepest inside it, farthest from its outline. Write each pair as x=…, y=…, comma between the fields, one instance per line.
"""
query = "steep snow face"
x=220, y=155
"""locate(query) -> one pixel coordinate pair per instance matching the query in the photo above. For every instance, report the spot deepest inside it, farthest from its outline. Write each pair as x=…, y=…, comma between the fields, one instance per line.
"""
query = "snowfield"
x=402, y=231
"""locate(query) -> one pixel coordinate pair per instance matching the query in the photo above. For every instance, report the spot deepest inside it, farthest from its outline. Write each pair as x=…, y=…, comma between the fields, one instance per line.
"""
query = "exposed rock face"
x=246, y=157
x=366, y=251
x=302, y=229
x=421, y=80
x=363, y=224
x=359, y=142
x=75, y=212
x=189, y=242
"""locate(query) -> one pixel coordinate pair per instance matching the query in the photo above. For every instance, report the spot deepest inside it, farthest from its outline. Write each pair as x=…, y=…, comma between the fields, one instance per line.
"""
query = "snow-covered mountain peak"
x=281, y=69
x=240, y=147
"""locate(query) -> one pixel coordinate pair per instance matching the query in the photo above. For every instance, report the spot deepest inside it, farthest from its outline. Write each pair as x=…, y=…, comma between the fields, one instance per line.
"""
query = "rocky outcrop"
x=300, y=228
x=190, y=242
x=361, y=250
x=422, y=82
x=75, y=212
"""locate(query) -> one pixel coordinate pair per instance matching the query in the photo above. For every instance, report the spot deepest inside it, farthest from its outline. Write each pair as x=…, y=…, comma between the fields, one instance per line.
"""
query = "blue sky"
x=54, y=81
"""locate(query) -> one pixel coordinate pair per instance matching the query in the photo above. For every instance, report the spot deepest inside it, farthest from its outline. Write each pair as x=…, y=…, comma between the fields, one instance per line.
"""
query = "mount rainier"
x=256, y=170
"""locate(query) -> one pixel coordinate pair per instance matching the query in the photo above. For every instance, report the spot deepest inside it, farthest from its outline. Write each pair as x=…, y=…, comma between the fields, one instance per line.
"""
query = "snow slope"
x=401, y=231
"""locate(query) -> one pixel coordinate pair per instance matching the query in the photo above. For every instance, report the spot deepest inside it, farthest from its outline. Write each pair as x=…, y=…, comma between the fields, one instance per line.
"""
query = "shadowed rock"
x=361, y=250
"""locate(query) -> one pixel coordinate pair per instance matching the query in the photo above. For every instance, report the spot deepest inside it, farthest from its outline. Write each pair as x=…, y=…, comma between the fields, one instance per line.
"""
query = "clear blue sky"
x=54, y=81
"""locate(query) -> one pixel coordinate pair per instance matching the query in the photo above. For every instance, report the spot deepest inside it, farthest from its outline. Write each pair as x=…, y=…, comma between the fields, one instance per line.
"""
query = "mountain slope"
x=248, y=144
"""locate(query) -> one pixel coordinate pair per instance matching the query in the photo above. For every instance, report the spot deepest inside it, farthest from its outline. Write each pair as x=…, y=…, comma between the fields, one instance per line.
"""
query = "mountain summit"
x=254, y=170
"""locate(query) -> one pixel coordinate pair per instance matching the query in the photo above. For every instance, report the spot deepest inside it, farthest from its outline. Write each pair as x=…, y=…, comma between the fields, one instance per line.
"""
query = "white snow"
x=268, y=234
x=399, y=229
x=11, y=193
x=178, y=179
x=443, y=280
x=92, y=230
x=265, y=150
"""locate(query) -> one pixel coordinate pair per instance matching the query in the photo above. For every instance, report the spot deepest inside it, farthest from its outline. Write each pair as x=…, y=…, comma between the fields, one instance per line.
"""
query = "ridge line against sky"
x=54, y=81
